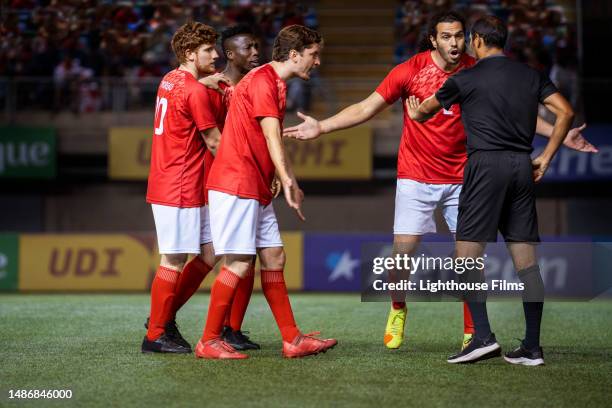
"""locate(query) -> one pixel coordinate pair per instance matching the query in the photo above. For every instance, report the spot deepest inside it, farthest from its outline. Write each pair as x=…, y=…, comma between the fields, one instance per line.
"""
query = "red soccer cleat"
x=306, y=345
x=217, y=349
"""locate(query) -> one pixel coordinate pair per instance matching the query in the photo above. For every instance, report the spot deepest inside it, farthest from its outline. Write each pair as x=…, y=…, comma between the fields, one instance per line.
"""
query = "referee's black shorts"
x=498, y=194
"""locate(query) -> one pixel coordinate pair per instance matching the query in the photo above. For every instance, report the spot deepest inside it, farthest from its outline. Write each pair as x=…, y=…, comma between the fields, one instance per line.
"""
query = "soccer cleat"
x=173, y=332
x=217, y=349
x=467, y=338
x=477, y=350
x=526, y=357
x=163, y=344
x=238, y=339
x=306, y=344
x=394, y=332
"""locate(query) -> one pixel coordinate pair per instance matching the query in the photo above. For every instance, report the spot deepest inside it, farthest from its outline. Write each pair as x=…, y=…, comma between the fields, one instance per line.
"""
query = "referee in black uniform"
x=499, y=101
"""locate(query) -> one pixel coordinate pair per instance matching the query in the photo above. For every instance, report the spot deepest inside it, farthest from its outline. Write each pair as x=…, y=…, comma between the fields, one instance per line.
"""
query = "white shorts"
x=241, y=225
x=181, y=230
x=415, y=203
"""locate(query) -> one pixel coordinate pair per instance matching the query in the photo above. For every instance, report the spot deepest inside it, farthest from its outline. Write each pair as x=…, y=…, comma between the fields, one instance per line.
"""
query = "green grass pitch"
x=90, y=344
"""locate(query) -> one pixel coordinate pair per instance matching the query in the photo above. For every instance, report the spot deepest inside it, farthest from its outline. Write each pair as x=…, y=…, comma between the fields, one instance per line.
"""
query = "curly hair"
x=293, y=37
x=190, y=36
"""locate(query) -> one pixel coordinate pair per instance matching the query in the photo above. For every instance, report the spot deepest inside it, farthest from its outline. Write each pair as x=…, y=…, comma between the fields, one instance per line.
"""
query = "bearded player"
x=241, y=50
x=243, y=222
x=432, y=155
x=176, y=178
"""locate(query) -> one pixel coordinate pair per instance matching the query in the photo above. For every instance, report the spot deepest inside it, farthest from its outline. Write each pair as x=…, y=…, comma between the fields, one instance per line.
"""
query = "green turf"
x=90, y=344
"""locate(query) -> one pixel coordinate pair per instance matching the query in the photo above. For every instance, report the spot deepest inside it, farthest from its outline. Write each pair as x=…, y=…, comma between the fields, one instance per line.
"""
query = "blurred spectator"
x=538, y=29
x=127, y=39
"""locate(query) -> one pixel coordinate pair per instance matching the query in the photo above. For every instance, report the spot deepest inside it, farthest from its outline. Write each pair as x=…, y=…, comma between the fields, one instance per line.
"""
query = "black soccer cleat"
x=477, y=350
x=173, y=333
x=164, y=344
x=238, y=339
x=523, y=356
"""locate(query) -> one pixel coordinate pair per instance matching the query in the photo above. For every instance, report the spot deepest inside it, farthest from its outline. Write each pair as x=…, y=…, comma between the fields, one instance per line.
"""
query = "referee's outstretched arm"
x=564, y=113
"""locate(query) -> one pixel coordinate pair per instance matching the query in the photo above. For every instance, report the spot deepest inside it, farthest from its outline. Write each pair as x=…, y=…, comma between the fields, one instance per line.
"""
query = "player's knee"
x=238, y=264
x=272, y=258
x=207, y=255
x=173, y=261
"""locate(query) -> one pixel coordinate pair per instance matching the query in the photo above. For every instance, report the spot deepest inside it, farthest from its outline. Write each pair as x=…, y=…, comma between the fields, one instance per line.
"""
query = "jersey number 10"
x=160, y=113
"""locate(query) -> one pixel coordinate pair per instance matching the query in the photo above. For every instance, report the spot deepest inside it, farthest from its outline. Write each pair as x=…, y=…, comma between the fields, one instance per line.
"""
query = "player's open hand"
x=310, y=128
x=574, y=140
x=539, y=165
x=294, y=196
x=412, y=106
x=276, y=187
x=213, y=81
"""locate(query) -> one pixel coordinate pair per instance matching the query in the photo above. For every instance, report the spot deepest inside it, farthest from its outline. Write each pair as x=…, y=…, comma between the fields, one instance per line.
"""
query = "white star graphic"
x=344, y=267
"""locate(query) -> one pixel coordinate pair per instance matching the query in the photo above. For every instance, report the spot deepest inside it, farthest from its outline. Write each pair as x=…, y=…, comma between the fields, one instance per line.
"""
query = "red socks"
x=241, y=301
x=162, y=298
x=221, y=296
x=399, y=305
x=188, y=283
x=275, y=291
x=468, y=323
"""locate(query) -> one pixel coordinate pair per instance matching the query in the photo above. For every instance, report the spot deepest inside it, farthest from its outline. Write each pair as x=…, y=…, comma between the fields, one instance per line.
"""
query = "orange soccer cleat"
x=217, y=349
x=306, y=345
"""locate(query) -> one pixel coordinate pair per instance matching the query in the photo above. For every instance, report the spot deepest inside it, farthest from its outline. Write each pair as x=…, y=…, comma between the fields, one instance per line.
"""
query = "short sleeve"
x=546, y=87
x=391, y=88
x=264, y=94
x=449, y=94
x=201, y=107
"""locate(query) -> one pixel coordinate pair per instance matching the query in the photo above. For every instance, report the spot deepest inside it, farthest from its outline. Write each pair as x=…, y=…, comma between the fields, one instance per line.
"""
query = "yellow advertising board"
x=108, y=262
x=129, y=153
x=341, y=155
x=346, y=154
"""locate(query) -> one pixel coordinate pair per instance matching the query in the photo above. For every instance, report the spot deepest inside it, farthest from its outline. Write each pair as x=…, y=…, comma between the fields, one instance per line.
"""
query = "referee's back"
x=499, y=103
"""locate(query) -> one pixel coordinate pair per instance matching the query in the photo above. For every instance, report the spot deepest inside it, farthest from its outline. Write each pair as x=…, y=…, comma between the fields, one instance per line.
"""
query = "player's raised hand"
x=539, y=165
x=574, y=140
x=294, y=196
x=213, y=81
x=310, y=128
x=412, y=106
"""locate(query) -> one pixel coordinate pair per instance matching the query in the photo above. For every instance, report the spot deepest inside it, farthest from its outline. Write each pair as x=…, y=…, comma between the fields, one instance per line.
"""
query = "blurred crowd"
x=77, y=42
x=541, y=33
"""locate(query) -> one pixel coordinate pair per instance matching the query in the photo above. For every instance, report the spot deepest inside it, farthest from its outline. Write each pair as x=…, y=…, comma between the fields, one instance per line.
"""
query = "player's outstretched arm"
x=574, y=139
x=211, y=137
x=558, y=105
x=354, y=115
x=422, y=111
x=294, y=196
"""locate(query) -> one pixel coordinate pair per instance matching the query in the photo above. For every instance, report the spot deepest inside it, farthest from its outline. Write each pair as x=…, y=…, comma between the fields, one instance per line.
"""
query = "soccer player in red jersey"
x=243, y=222
x=432, y=154
x=176, y=177
x=241, y=49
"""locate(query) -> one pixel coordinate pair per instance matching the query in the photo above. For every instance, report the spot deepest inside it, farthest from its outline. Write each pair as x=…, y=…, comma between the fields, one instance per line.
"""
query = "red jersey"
x=243, y=166
x=217, y=106
x=177, y=156
x=433, y=151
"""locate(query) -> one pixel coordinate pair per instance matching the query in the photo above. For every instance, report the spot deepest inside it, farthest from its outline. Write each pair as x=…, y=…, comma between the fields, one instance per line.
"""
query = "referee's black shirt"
x=499, y=103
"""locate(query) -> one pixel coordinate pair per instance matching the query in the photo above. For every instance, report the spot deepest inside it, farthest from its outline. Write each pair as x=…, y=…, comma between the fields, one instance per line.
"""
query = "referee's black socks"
x=533, y=303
